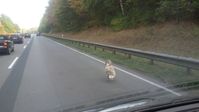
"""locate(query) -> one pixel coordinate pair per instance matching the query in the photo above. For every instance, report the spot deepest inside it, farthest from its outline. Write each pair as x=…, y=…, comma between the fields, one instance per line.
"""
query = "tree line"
x=75, y=15
x=7, y=26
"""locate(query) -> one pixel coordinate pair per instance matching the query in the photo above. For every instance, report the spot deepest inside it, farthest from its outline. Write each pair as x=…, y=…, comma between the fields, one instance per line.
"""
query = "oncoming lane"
x=8, y=61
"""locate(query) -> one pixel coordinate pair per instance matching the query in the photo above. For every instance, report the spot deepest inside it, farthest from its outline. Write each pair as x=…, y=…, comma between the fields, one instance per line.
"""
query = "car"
x=6, y=44
x=27, y=35
x=17, y=39
x=38, y=34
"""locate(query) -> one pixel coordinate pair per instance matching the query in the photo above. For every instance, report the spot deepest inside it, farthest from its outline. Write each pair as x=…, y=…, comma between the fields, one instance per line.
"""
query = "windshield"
x=97, y=55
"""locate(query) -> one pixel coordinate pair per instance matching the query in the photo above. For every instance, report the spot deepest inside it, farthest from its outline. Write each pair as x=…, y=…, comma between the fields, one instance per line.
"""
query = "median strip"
x=13, y=62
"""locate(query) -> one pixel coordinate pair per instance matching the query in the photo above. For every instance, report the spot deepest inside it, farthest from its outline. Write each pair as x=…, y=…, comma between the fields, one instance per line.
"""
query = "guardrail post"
x=188, y=70
x=151, y=61
x=187, y=63
x=129, y=56
x=114, y=52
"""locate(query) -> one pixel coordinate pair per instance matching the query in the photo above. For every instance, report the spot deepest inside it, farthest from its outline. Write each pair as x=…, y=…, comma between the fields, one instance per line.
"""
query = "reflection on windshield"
x=97, y=55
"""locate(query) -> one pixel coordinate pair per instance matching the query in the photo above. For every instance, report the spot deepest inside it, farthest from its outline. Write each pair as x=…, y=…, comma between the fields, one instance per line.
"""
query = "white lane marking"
x=138, y=77
x=28, y=42
x=82, y=53
x=13, y=62
x=150, y=82
x=25, y=46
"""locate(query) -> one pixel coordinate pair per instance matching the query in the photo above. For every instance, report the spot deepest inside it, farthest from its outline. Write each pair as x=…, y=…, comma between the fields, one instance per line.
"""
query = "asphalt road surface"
x=7, y=60
x=45, y=76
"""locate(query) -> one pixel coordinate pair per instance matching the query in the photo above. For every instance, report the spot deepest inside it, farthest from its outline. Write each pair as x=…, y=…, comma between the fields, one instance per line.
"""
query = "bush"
x=119, y=23
x=195, y=31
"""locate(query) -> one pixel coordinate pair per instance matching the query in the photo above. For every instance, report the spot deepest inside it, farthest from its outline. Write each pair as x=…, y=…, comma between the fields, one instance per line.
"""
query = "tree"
x=2, y=31
x=176, y=9
x=77, y=5
x=102, y=11
x=8, y=25
x=73, y=15
x=195, y=4
x=68, y=19
x=49, y=21
x=122, y=7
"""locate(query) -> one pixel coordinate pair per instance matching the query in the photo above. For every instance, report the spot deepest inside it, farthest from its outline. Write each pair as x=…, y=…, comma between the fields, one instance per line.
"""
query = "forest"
x=77, y=15
x=7, y=25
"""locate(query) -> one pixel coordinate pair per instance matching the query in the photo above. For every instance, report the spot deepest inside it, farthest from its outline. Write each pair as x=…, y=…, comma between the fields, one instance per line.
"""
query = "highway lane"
x=7, y=60
x=49, y=77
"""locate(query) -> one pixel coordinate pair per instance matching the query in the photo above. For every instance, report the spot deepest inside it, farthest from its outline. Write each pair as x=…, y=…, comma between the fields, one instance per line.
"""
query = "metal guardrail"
x=189, y=63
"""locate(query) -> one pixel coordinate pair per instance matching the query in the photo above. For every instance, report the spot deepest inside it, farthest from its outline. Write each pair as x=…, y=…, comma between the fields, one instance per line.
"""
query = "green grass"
x=166, y=73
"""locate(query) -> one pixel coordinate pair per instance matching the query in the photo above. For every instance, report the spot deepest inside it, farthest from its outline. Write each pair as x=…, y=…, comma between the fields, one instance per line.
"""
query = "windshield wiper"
x=110, y=102
x=174, y=103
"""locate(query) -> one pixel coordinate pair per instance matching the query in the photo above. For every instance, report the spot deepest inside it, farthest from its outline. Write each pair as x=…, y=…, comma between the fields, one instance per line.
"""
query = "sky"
x=26, y=13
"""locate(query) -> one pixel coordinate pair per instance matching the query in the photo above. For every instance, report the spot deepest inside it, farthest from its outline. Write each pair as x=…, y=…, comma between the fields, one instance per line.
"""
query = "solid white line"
x=138, y=77
x=12, y=64
x=152, y=83
x=24, y=46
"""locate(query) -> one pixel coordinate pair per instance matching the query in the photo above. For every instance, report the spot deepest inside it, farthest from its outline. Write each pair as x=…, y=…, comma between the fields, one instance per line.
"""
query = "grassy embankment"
x=181, y=39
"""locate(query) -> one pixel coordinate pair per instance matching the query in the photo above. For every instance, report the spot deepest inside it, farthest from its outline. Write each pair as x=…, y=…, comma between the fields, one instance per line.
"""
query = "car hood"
x=133, y=101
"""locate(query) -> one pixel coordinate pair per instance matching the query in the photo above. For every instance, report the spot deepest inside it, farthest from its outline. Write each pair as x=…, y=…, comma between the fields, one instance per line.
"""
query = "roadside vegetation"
x=160, y=71
x=168, y=38
x=77, y=15
x=7, y=26
x=165, y=26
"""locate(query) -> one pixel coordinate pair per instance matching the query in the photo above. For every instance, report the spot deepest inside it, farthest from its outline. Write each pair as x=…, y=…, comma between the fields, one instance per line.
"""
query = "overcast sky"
x=25, y=13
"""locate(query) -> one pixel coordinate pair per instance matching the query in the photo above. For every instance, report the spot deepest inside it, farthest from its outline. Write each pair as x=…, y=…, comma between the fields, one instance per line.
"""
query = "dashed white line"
x=28, y=42
x=24, y=46
x=136, y=76
x=13, y=62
